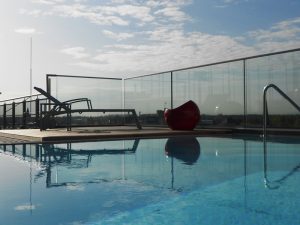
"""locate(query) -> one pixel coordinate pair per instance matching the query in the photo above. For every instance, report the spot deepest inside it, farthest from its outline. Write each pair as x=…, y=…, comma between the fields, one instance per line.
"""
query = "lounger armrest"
x=77, y=100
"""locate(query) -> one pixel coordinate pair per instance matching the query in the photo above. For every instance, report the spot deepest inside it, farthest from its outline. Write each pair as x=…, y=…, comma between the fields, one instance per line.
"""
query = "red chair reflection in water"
x=184, y=117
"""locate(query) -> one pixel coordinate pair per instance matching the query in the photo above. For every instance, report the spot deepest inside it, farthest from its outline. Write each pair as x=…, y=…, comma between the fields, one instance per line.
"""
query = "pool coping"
x=81, y=134
x=95, y=133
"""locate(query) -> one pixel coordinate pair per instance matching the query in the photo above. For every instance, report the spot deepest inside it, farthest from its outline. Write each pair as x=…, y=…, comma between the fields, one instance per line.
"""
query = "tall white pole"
x=30, y=66
x=30, y=72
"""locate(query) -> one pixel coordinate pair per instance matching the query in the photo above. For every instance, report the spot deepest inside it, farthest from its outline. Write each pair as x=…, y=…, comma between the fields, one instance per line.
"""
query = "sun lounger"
x=56, y=107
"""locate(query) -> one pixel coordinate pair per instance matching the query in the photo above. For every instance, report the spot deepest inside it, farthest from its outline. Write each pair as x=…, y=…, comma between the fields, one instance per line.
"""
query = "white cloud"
x=171, y=48
x=176, y=50
x=165, y=34
x=287, y=23
x=230, y=1
x=234, y=1
x=118, y=1
x=95, y=15
x=282, y=31
x=47, y=2
x=117, y=36
x=99, y=14
x=273, y=46
x=173, y=13
x=26, y=30
x=35, y=12
x=164, y=44
x=226, y=3
x=262, y=35
x=75, y=52
x=138, y=12
x=170, y=2
x=118, y=12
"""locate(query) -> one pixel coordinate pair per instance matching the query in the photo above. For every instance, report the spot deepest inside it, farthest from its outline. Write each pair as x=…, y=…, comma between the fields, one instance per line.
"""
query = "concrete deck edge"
x=128, y=136
x=21, y=138
x=62, y=136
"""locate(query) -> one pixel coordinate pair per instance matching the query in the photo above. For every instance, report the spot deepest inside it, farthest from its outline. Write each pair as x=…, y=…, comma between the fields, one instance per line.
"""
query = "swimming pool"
x=177, y=180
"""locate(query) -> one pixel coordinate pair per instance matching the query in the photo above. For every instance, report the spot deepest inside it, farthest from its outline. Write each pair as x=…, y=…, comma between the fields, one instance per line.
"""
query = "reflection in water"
x=106, y=179
x=65, y=156
x=275, y=184
x=186, y=149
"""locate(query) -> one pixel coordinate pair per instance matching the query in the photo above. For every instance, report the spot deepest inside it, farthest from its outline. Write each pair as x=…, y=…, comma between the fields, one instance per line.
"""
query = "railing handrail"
x=23, y=97
x=266, y=88
x=18, y=103
x=215, y=63
x=78, y=76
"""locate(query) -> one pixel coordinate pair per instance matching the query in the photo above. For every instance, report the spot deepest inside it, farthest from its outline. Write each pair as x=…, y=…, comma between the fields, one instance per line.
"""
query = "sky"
x=125, y=38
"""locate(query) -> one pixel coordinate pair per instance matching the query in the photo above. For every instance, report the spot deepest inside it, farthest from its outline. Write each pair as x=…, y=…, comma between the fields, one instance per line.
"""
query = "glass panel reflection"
x=283, y=71
x=149, y=96
x=218, y=91
x=104, y=93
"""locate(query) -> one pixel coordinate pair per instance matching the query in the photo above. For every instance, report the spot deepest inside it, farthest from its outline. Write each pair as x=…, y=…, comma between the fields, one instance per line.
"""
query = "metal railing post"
x=37, y=112
x=13, y=115
x=24, y=113
x=24, y=150
x=4, y=116
x=172, y=90
x=37, y=152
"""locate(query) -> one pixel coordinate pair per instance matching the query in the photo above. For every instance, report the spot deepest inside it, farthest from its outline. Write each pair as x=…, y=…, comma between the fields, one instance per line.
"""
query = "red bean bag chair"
x=184, y=117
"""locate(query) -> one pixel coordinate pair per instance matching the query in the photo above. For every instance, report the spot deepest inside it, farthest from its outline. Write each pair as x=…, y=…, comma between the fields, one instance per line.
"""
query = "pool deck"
x=95, y=133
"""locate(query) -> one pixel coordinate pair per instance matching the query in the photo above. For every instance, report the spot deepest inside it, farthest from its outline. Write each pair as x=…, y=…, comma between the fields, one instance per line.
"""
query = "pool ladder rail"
x=273, y=184
x=265, y=107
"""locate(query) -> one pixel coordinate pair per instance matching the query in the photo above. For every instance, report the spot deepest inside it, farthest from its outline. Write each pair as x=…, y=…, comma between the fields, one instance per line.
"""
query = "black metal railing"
x=21, y=112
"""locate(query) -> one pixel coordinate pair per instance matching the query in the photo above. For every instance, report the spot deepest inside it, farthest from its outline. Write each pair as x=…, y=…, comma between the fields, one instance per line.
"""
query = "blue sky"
x=123, y=38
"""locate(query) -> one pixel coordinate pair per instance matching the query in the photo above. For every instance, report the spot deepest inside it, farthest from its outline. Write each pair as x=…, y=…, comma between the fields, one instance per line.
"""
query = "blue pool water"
x=187, y=180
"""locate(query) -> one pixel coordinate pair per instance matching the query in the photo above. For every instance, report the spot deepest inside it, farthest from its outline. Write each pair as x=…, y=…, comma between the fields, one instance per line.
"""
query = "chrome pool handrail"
x=265, y=111
x=273, y=184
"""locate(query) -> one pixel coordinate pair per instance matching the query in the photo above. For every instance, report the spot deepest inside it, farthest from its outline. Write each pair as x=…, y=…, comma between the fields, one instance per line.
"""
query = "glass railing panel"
x=19, y=108
x=104, y=93
x=18, y=114
x=282, y=70
x=217, y=90
x=149, y=96
x=9, y=115
x=31, y=111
